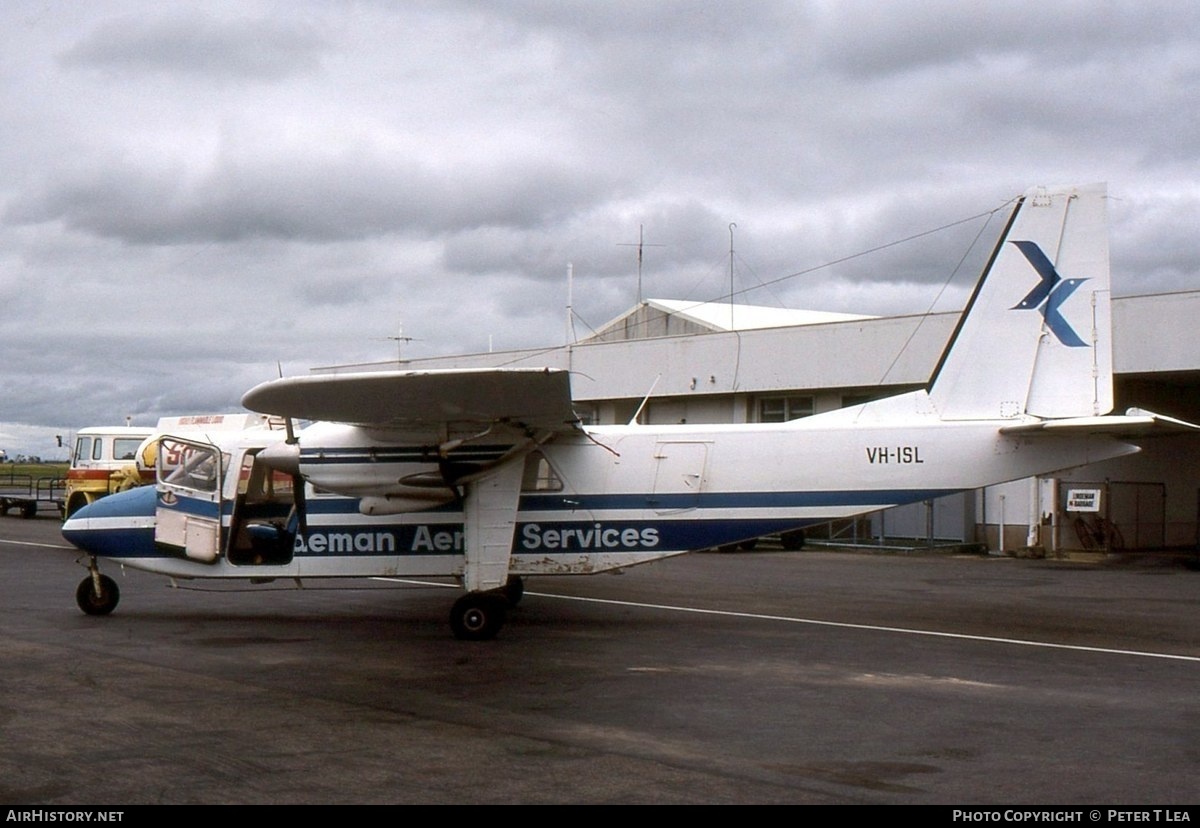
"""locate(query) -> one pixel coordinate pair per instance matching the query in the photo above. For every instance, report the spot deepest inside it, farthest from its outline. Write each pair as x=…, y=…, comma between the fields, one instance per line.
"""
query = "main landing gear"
x=478, y=616
x=97, y=594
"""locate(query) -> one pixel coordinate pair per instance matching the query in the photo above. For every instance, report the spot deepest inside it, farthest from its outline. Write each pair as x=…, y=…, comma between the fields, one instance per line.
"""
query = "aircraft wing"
x=1134, y=423
x=536, y=399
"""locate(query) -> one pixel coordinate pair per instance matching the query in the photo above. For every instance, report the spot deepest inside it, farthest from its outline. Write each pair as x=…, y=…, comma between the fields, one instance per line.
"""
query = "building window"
x=858, y=399
x=782, y=409
x=539, y=475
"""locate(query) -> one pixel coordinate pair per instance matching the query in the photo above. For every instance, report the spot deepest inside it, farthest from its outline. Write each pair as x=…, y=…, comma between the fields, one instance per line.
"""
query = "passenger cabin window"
x=259, y=484
x=539, y=475
x=98, y=450
x=782, y=409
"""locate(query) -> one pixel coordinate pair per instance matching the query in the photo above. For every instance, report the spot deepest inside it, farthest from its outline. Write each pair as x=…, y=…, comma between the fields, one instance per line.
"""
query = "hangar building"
x=674, y=362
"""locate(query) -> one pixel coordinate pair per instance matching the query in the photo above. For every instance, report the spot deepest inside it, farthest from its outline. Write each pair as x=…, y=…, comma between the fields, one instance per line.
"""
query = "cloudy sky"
x=193, y=194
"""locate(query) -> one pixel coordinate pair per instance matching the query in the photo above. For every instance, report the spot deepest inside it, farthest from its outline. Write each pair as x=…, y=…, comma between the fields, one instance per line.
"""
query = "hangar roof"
x=672, y=317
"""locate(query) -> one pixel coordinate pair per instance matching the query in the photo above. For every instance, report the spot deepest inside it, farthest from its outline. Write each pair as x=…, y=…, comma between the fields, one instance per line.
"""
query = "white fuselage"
x=606, y=497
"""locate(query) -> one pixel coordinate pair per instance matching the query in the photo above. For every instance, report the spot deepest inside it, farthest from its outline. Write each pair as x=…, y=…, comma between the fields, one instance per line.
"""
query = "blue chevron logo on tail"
x=1049, y=294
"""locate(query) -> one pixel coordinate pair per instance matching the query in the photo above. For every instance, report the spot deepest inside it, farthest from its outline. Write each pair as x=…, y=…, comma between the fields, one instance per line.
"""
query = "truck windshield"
x=83, y=447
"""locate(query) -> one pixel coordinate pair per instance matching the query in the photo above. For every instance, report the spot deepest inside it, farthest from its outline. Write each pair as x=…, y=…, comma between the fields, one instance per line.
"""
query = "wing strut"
x=490, y=512
x=490, y=505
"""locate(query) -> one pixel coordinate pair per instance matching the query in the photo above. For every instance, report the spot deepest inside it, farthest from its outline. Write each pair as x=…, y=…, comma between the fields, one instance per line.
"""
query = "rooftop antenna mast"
x=400, y=339
x=732, y=227
x=570, y=333
x=640, y=245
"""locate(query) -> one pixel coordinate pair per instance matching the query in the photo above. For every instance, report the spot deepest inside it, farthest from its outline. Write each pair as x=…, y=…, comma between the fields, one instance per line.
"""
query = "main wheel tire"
x=477, y=616
x=94, y=604
x=514, y=589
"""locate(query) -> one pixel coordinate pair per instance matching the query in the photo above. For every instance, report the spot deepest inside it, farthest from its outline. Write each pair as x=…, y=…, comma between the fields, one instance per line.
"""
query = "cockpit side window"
x=188, y=465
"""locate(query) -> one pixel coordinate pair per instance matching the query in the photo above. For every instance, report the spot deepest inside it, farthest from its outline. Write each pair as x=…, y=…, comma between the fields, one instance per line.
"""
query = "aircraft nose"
x=80, y=517
x=283, y=457
x=78, y=527
x=77, y=520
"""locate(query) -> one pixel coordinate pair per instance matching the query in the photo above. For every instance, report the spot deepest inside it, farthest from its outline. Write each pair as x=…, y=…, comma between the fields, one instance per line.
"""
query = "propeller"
x=285, y=457
x=301, y=503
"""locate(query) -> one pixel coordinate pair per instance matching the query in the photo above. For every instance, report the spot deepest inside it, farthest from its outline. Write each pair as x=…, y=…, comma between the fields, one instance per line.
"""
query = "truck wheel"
x=75, y=502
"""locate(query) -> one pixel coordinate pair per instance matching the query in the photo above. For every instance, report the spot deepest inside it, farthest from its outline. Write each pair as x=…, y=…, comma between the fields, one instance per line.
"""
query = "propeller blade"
x=300, y=503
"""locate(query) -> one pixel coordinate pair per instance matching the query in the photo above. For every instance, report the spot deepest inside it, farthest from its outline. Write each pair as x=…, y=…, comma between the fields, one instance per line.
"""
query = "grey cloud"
x=328, y=199
x=667, y=21
x=600, y=243
x=190, y=42
x=866, y=39
x=1153, y=242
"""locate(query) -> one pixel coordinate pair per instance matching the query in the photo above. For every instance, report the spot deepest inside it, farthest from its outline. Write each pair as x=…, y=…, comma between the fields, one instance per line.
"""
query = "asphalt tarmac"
x=755, y=677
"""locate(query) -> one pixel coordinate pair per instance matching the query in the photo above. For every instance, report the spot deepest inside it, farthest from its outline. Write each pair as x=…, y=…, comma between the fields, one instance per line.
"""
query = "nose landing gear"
x=97, y=594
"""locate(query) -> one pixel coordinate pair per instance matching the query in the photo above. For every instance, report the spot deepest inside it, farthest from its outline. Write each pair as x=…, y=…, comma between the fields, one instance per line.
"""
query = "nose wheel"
x=97, y=594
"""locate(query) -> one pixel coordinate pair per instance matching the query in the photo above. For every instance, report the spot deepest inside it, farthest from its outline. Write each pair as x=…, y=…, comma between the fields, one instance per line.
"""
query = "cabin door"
x=678, y=476
x=188, y=515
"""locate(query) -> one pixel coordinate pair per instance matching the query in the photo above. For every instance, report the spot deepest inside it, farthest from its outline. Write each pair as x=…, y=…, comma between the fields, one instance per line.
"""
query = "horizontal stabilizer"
x=1133, y=424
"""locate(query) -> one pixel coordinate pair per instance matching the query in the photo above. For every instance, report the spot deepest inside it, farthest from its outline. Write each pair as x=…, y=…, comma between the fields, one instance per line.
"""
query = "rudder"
x=1036, y=337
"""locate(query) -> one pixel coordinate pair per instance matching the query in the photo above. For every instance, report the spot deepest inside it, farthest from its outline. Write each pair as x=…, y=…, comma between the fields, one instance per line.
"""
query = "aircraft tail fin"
x=1036, y=337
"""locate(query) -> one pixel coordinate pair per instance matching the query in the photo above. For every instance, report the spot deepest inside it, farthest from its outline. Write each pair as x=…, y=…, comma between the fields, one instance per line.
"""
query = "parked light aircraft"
x=487, y=475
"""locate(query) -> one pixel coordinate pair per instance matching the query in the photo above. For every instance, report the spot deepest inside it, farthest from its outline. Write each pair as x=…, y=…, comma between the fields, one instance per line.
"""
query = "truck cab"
x=105, y=461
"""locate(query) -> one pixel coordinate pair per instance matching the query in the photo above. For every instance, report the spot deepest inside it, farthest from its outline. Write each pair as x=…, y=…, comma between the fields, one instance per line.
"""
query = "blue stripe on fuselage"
x=196, y=506
x=546, y=538
x=591, y=532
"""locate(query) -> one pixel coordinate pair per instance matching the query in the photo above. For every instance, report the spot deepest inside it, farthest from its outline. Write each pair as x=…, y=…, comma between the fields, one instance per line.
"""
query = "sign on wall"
x=1083, y=500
